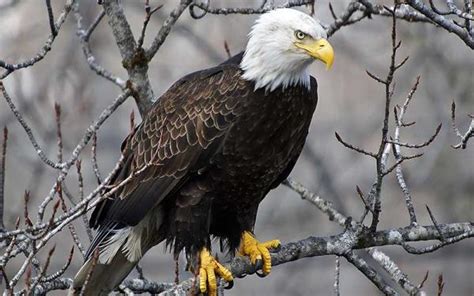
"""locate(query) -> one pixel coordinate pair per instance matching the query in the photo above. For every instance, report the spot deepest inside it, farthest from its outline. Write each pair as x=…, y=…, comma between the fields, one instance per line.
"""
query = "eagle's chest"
x=260, y=145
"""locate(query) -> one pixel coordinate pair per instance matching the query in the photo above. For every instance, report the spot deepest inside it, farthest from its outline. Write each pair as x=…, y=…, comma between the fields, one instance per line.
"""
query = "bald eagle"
x=208, y=152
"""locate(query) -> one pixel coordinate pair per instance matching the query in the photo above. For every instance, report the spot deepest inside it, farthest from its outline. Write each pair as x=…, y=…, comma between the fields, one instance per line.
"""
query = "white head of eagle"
x=281, y=46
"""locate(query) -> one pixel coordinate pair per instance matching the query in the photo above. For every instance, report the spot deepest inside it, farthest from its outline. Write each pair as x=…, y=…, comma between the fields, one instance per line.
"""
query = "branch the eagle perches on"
x=27, y=240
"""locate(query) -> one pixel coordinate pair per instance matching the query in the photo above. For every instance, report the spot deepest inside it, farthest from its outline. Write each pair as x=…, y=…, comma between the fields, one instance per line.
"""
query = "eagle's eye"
x=300, y=35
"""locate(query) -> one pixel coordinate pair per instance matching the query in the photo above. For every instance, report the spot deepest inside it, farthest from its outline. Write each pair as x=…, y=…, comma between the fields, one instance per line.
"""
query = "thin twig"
x=331, y=9
x=464, y=137
x=346, y=18
x=399, y=116
x=45, y=49
x=382, y=154
x=321, y=204
x=148, y=13
x=26, y=216
x=93, y=26
x=355, y=148
x=432, y=248
x=399, y=162
x=80, y=182
x=337, y=274
x=95, y=165
x=80, y=146
x=423, y=281
x=418, y=146
x=361, y=195
x=28, y=130
x=440, y=285
x=52, y=26
x=84, y=36
x=44, y=269
x=57, y=109
x=238, y=10
x=435, y=223
x=61, y=271
x=3, y=159
x=227, y=50
x=166, y=28
x=443, y=22
x=72, y=230
x=95, y=259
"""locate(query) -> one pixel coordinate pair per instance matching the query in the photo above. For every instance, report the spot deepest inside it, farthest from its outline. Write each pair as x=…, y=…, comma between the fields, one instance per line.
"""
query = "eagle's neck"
x=272, y=69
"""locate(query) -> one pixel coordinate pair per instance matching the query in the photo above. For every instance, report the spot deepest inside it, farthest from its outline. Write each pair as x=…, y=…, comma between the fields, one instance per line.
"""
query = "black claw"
x=262, y=275
x=260, y=263
x=277, y=249
x=229, y=285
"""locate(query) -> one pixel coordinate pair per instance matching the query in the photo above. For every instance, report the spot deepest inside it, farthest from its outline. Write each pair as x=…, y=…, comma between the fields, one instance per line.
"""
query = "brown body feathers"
x=209, y=151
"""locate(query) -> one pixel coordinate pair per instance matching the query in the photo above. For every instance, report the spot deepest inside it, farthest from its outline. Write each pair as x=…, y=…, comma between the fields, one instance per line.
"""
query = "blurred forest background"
x=350, y=103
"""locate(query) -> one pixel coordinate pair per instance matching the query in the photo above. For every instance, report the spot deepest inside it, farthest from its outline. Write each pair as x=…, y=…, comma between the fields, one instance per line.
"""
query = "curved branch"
x=239, y=10
x=443, y=22
x=342, y=244
x=28, y=130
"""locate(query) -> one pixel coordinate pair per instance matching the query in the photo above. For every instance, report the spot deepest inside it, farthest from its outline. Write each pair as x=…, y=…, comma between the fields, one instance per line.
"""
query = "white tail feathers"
x=118, y=254
x=104, y=278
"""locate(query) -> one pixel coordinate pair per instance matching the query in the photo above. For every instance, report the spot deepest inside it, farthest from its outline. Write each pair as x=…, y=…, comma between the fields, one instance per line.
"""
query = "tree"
x=29, y=252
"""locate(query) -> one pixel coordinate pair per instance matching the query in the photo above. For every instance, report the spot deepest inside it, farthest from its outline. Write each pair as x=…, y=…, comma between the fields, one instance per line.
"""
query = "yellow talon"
x=207, y=273
x=256, y=250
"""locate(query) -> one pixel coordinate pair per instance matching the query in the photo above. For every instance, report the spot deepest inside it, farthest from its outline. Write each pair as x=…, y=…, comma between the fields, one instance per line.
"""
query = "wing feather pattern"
x=175, y=140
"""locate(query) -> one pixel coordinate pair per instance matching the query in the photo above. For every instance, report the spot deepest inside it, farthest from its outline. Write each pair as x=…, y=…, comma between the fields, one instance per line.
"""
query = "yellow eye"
x=300, y=35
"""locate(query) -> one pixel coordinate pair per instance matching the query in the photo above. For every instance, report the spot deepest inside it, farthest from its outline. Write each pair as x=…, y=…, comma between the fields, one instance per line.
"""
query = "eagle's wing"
x=176, y=139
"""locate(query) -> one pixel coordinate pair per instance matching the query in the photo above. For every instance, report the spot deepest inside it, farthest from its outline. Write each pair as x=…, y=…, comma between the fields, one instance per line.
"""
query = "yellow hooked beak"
x=319, y=49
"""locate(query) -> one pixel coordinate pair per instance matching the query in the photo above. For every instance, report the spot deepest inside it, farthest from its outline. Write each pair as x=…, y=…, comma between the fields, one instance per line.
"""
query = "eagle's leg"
x=208, y=268
x=250, y=246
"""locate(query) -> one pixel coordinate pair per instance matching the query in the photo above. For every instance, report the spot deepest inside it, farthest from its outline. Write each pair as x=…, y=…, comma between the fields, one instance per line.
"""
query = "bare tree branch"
x=84, y=36
x=464, y=138
x=52, y=25
x=382, y=153
x=166, y=28
x=238, y=10
x=337, y=275
x=28, y=130
x=443, y=22
x=339, y=244
x=44, y=50
x=3, y=158
x=134, y=59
